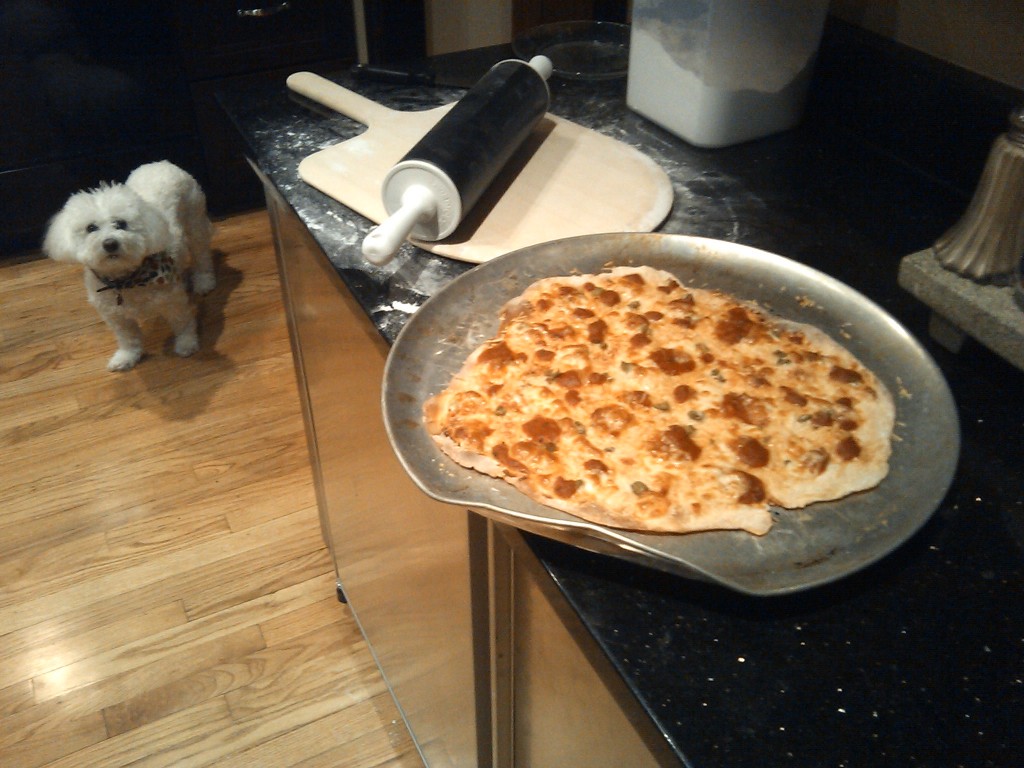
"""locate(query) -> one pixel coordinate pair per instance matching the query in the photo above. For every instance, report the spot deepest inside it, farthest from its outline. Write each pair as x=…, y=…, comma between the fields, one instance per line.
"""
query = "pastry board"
x=565, y=180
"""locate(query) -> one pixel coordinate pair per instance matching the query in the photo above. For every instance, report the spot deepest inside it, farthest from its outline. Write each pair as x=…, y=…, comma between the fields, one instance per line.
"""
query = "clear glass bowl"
x=579, y=50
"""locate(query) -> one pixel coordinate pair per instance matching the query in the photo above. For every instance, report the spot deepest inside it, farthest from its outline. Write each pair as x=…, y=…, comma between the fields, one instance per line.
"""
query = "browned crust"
x=685, y=514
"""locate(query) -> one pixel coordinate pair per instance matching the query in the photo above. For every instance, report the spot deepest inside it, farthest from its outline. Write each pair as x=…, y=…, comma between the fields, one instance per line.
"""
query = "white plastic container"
x=720, y=72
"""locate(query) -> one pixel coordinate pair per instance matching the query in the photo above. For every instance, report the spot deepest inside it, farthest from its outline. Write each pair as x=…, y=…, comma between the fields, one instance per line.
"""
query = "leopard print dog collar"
x=158, y=268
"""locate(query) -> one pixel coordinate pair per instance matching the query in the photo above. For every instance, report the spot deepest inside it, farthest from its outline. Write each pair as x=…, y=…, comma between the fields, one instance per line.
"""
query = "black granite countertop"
x=917, y=660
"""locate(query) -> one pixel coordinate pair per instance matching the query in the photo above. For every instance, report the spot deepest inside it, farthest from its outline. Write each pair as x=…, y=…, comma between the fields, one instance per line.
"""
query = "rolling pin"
x=429, y=191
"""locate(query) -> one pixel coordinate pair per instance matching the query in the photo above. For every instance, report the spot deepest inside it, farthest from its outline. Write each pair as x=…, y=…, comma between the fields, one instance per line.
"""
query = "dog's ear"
x=61, y=243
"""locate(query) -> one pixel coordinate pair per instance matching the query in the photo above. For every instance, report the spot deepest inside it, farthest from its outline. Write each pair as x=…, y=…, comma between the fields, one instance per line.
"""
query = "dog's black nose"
x=110, y=245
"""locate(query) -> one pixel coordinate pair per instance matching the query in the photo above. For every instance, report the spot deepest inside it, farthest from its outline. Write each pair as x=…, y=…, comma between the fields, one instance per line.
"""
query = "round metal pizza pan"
x=805, y=548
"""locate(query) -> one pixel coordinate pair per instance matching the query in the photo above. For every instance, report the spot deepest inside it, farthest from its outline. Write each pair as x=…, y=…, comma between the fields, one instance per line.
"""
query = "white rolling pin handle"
x=381, y=243
x=542, y=66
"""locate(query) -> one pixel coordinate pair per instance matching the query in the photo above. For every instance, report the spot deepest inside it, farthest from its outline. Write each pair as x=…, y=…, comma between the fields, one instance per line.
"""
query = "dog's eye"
x=91, y=228
x=121, y=224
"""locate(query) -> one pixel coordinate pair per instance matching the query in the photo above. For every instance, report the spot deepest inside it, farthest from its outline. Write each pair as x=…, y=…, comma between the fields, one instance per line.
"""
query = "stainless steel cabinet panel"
x=568, y=706
x=403, y=561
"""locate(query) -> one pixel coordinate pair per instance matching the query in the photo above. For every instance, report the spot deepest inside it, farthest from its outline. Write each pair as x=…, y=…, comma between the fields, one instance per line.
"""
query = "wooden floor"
x=165, y=597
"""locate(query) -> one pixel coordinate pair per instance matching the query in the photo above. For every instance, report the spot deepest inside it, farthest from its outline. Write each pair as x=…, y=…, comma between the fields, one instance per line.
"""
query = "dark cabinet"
x=229, y=43
x=89, y=90
x=235, y=37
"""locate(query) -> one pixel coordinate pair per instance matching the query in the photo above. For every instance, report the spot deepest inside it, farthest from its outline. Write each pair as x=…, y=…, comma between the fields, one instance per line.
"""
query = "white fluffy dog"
x=137, y=242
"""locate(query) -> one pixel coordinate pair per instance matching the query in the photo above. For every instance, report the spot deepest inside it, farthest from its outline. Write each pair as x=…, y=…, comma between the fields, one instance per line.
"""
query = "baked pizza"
x=631, y=400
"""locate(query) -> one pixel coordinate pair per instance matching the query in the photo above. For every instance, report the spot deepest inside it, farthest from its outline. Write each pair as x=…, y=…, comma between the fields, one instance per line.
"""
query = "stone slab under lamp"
x=971, y=277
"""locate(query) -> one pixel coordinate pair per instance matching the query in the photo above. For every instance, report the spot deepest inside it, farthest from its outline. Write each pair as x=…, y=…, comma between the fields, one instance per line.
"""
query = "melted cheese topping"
x=633, y=401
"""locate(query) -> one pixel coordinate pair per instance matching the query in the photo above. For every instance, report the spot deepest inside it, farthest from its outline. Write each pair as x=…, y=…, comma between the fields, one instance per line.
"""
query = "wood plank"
x=308, y=618
x=175, y=739
x=42, y=508
x=136, y=667
x=14, y=698
x=164, y=742
x=278, y=565
x=165, y=597
x=26, y=654
x=160, y=645
x=193, y=687
x=114, y=433
x=356, y=735
x=216, y=680
x=46, y=733
x=158, y=572
x=76, y=622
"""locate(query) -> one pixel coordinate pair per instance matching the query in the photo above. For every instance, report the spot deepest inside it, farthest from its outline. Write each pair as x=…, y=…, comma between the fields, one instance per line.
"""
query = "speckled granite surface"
x=918, y=660
x=986, y=312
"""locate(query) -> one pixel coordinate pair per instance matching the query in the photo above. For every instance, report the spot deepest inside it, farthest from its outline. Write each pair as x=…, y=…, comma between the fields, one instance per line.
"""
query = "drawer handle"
x=261, y=13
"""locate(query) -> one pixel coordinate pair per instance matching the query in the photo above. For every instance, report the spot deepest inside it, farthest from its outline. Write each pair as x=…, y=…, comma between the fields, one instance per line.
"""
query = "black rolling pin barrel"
x=430, y=190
